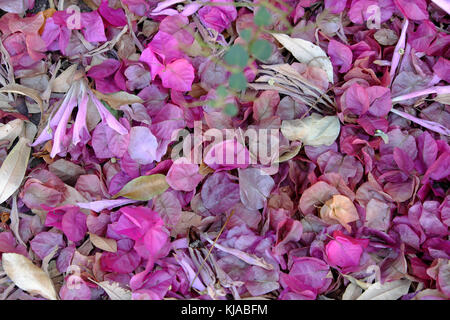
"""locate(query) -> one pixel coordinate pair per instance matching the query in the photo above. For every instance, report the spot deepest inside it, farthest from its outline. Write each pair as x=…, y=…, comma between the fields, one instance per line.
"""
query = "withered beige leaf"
x=443, y=98
x=11, y=130
x=28, y=276
x=289, y=152
x=352, y=292
x=387, y=291
x=314, y=130
x=114, y=290
x=63, y=82
x=339, y=209
x=33, y=94
x=13, y=169
x=386, y=37
x=144, y=188
x=15, y=221
x=106, y=244
x=118, y=99
x=306, y=52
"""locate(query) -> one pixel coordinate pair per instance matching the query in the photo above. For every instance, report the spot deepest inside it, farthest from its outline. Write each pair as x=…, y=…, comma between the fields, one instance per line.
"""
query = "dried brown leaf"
x=106, y=244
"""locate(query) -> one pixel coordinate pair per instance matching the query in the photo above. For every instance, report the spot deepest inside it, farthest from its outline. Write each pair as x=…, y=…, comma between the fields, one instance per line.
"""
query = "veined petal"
x=107, y=116
x=56, y=119
x=61, y=128
x=80, y=130
x=45, y=135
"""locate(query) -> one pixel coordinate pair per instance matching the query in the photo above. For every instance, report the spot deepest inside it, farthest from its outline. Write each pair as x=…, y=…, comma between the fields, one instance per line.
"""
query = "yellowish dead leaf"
x=63, y=82
x=118, y=99
x=144, y=188
x=27, y=276
x=339, y=209
x=314, y=130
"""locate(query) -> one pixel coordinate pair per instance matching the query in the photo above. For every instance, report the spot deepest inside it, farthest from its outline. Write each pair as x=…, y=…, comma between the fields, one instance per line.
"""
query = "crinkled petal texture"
x=340, y=55
x=254, y=187
x=183, y=175
x=69, y=219
x=142, y=145
x=146, y=228
x=355, y=100
x=307, y=277
x=92, y=26
x=227, y=155
x=218, y=17
x=115, y=17
x=415, y=10
x=178, y=75
x=219, y=193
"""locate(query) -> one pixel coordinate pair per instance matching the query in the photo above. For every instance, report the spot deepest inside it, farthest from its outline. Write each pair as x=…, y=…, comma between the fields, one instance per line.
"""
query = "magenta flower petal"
x=80, y=130
x=178, y=75
x=62, y=126
x=106, y=116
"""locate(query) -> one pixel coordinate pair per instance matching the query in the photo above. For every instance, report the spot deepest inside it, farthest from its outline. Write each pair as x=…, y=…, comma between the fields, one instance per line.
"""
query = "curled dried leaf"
x=307, y=52
x=339, y=209
x=33, y=94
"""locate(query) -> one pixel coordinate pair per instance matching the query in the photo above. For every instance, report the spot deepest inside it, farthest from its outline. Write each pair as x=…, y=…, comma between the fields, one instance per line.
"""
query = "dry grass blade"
x=286, y=80
x=212, y=247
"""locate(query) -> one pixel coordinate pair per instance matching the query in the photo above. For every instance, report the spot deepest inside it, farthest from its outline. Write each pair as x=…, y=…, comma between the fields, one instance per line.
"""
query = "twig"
x=212, y=247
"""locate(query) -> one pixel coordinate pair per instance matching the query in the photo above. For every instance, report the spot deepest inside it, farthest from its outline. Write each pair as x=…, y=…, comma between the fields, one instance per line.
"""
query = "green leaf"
x=230, y=109
x=246, y=34
x=114, y=112
x=222, y=91
x=144, y=188
x=237, y=55
x=212, y=103
x=261, y=49
x=238, y=81
x=262, y=17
